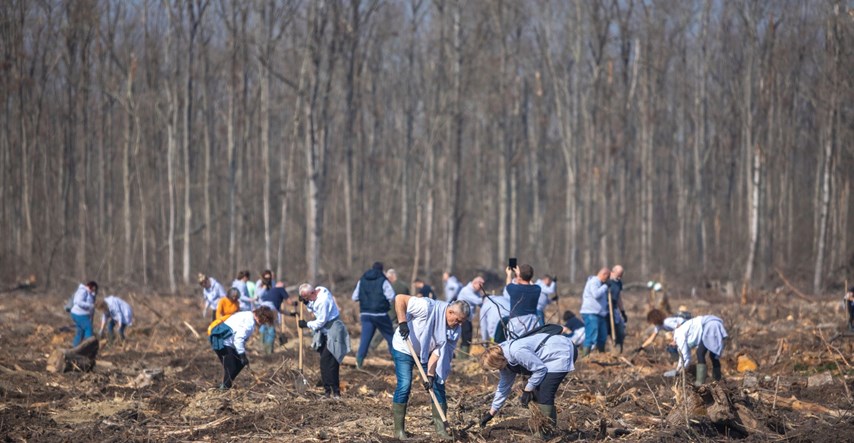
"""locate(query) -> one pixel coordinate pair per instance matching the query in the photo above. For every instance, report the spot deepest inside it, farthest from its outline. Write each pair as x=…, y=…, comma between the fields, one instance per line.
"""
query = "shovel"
x=300, y=383
x=432, y=394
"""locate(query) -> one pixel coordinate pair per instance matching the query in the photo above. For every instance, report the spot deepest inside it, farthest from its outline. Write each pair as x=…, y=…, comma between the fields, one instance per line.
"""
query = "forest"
x=142, y=142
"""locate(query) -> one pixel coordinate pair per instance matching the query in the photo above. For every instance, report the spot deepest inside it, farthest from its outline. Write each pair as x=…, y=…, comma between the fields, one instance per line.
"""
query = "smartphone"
x=512, y=263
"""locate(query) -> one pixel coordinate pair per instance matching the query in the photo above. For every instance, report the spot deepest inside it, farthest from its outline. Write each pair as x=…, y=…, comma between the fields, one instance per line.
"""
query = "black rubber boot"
x=398, y=410
x=716, y=373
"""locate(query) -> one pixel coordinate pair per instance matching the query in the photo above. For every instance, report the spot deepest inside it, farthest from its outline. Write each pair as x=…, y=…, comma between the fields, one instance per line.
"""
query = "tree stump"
x=81, y=358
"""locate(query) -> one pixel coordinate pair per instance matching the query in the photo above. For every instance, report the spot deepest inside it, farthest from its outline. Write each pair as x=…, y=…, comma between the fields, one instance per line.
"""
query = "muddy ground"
x=609, y=397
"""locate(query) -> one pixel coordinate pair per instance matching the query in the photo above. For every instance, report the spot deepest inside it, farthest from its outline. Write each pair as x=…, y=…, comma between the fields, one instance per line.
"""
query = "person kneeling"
x=228, y=340
x=545, y=357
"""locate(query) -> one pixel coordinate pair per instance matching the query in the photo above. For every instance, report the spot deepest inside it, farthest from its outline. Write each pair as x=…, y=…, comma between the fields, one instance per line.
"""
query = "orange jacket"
x=224, y=309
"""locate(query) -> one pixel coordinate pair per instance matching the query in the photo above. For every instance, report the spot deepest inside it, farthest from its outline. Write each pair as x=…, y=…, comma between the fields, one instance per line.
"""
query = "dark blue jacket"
x=371, y=296
x=275, y=297
x=523, y=299
x=615, y=287
x=426, y=291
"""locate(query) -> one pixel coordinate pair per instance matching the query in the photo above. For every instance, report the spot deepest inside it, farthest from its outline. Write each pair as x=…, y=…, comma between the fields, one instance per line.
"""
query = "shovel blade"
x=300, y=384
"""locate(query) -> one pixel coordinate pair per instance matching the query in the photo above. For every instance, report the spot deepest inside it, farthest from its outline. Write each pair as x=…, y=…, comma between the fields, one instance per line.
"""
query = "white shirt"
x=555, y=356
x=242, y=324
x=490, y=315
x=546, y=291
x=696, y=330
x=120, y=310
x=670, y=324
x=452, y=288
x=245, y=300
x=323, y=307
x=84, y=301
x=213, y=293
x=472, y=297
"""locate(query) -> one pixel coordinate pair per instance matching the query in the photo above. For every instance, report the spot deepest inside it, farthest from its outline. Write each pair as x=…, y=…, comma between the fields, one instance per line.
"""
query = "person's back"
x=371, y=296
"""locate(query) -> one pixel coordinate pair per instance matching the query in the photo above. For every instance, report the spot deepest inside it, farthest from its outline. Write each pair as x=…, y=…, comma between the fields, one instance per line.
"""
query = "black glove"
x=293, y=314
x=302, y=300
x=640, y=349
x=303, y=324
x=554, y=297
x=404, y=330
x=484, y=419
x=428, y=385
x=244, y=360
x=625, y=317
x=526, y=398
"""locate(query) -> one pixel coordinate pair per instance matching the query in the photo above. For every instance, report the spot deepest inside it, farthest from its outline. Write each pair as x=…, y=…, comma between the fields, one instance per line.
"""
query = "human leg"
x=83, y=328
x=701, y=364
x=591, y=331
x=465, y=339
x=368, y=328
x=231, y=365
x=439, y=390
x=383, y=324
x=403, y=364
x=602, y=333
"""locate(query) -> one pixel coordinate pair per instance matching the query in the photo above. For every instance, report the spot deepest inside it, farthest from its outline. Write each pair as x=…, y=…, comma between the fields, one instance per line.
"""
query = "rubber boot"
x=716, y=372
x=465, y=352
x=701, y=374
x=399, y=412
x=441, y=432
x=550, y=412
x=359, y=362
x=268, y=348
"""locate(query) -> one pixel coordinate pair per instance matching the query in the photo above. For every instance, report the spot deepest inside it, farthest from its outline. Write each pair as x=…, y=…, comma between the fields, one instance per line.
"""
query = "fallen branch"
x=793, y=288
x=349, y=360
x=795, y=404
x=193, y=429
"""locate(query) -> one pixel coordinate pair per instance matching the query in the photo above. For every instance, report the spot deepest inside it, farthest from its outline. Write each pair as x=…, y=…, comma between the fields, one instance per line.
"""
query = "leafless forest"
x=144, y=141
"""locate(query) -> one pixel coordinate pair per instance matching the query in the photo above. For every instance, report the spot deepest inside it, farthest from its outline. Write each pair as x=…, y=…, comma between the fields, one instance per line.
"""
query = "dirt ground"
x=608, y=397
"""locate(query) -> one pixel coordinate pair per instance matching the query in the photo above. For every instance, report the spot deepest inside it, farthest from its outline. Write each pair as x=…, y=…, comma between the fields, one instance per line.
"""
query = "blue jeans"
x=268, y=334
x=595, y=330
x=84, y=328
x=403, y=366
x=370, y=324
x=541, y=318
x=111, y=326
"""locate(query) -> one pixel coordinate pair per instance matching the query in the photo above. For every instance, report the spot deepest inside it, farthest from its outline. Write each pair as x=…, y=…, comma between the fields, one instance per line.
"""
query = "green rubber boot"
x=465, y=352
x=441, y=432
x=701, y=374
x=550, y=412
x=398, y=410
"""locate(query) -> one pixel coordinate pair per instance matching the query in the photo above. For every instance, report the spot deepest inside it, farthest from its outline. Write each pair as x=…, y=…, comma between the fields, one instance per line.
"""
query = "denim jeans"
x=595, y=330
x=403, y=366
x=84, y=328
x=111, y=326
x=541, y=318
x=370, y=324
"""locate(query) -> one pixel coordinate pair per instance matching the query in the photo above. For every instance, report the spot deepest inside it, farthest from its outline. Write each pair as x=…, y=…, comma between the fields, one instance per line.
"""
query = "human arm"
x=532, y=362
x=103, y=323
x=82, y=300
x=388, y=291
x=355, y=296
x=322, y=308
x=400, y=304
x=242, y=333
x=508, y=276
x=505, y=384
x=649, y=339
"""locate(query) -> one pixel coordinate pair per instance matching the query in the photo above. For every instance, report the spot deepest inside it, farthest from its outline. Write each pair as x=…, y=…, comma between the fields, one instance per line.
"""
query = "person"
x=548, y=294
x=396, y=284
x=660, y=322
x=250, y=288
x=615, y=287
x=546, y=356
x=575, y=328
x=228, y=340
x=82, y=309
x=423, y=289
x=495, y=308
x=524, y=296
x=225, y=308
x=331, y=339
x=240, y=283
x=264, y=284
x=432, y=327
x=273, y=299
x=212, y=292
x=452, y=286
x=849, y=304
x=119, y=313
x=471, y=293
x=706, y=333
x=594, y=311
x=375, y=296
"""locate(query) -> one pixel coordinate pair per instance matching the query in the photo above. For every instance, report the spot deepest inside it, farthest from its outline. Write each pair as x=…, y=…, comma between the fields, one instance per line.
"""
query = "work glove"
x=639, y=350
x=428, y=385
x=404, y=330
x=554, y=297
x=625, y=317
x=484, y=419
x=303, y=324
x=671, y=373
x=526, y=398
x=303, y=300
x=292, y=314
x=244, y=360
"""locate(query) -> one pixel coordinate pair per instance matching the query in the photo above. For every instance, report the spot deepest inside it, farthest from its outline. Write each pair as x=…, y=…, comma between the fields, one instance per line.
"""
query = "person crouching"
x=545, y=357
x=228, y=340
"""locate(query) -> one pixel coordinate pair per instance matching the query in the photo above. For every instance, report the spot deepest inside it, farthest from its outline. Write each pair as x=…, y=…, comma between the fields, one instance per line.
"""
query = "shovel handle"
x=424, y=377
x=299, y=333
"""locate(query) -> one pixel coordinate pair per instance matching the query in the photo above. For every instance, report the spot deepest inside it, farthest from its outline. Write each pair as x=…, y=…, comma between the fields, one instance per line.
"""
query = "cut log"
x=794, y=404
x=81, y=358
x=349, y=360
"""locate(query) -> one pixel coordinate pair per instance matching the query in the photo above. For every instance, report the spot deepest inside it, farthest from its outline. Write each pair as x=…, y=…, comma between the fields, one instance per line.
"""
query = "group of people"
x=116, y=314
x=513, y=330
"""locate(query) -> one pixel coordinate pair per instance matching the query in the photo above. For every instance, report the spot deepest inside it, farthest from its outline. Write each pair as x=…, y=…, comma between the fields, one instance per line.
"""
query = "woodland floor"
x=608, y=397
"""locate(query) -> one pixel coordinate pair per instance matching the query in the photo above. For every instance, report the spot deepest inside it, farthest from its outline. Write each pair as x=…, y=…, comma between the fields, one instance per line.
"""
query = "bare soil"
x=614, y=397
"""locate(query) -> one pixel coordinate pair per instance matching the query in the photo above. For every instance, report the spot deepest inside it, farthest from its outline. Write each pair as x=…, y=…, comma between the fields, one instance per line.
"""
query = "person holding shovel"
x=705, y=333
x=545, y=356
x=331, y=339
x=615, y=287
x=428, y=330
x=228, y=340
